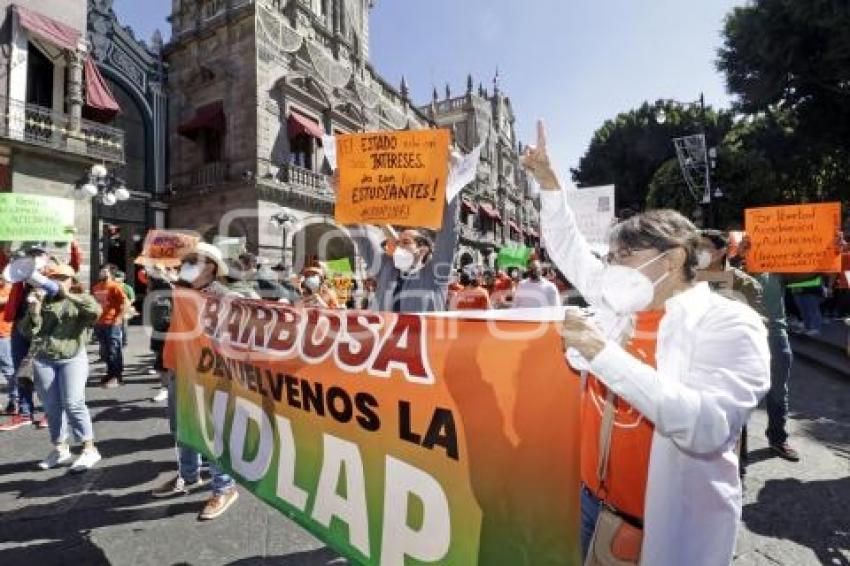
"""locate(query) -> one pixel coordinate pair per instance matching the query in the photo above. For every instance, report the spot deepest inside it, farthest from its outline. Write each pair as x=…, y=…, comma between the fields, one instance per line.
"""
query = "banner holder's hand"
x=536, y=161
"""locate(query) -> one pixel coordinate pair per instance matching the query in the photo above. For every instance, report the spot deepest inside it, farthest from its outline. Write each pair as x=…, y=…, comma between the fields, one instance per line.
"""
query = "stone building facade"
x=46, y=144
x=497, y=208
x=135, y=73
x=253, y=87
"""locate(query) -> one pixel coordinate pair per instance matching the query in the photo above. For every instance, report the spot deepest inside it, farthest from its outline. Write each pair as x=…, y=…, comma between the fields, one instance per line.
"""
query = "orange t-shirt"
x=111, y=297
x=471, y=298
x=5, y=326
x=631, y=438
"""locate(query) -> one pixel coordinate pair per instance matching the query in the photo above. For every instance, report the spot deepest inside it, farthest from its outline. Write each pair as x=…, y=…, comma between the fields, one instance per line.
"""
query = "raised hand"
x=535, y=159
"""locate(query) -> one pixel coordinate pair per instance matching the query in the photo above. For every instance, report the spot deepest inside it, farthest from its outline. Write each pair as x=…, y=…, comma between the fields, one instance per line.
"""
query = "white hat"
x=213, y=253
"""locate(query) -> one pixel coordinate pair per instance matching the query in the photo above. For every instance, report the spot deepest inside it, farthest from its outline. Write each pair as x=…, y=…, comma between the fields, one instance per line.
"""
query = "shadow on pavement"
x=79, y=550
x=318, y=557
x=812, y=514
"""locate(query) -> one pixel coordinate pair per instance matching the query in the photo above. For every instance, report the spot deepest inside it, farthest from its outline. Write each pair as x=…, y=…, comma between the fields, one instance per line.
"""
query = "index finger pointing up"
x=541, y=136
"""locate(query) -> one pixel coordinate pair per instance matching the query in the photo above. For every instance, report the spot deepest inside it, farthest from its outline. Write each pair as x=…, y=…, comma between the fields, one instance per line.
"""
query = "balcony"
x=306, y=182
x=207, y=175
x=41, y=126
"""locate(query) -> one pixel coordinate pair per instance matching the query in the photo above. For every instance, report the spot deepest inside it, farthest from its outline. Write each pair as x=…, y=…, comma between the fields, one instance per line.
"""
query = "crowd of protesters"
x=678, y=339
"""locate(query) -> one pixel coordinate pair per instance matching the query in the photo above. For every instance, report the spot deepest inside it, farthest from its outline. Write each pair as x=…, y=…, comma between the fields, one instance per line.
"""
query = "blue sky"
x=574, y=63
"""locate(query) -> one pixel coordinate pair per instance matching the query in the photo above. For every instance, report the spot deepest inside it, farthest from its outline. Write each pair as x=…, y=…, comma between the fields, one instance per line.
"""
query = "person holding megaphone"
x=25, y=274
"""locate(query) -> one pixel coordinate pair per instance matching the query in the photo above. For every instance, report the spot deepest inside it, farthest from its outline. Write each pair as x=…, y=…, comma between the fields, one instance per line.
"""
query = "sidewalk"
x=794, y=514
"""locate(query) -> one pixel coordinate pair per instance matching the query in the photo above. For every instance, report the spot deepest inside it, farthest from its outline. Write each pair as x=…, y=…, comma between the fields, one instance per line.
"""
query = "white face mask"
x=627, y=290
x=704, y=258
x=403, y=259
x=190, y=271
x=313, y=283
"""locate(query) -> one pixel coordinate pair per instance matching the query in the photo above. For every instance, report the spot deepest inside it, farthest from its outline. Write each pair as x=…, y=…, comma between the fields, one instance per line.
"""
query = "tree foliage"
x=627, y=150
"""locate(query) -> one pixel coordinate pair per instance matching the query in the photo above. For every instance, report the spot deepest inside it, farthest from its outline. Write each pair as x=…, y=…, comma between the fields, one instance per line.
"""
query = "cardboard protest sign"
x=166, y=247
x=396, y=439
x=794, y=239
x=35, y=218
x=393, y=178
x=594, y=213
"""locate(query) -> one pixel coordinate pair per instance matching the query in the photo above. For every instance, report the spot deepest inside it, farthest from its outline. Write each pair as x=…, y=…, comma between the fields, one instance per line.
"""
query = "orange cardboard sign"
x=794, y=239
x=393, y=178
x=166, y=247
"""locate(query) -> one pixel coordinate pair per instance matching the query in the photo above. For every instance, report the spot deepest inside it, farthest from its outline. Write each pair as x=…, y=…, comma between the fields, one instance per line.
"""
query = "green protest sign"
x=514, y=257
x=26, y=217
x=340, y=266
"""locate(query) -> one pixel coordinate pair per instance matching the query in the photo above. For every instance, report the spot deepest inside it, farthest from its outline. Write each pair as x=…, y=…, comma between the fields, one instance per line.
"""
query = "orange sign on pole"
x=166, y=247
x=794, y=239
x=393, y=178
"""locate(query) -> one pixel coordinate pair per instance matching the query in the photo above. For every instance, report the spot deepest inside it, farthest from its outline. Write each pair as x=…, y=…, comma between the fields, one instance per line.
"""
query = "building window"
x=212, y=145
x=39, y=78
x=301, y=151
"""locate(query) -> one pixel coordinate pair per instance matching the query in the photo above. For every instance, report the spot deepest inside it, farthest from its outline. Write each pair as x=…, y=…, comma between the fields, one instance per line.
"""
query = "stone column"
x=75, y=85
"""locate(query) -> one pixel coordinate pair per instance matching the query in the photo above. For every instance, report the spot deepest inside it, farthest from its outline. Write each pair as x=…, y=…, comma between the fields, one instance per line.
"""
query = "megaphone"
x=27, y=269
x=19, y=270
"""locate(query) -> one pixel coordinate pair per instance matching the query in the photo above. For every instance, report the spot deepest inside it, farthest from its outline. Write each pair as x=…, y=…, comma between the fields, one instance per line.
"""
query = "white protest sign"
x=594, y=214
x=329, y=145
x=463, y=172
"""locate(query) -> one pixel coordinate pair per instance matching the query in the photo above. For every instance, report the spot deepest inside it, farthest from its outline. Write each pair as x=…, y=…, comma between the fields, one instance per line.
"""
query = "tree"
x=793, y=56
x=627, y=150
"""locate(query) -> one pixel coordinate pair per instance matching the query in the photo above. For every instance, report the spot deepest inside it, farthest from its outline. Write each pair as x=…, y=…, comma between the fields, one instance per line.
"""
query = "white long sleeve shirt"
x=713, y=367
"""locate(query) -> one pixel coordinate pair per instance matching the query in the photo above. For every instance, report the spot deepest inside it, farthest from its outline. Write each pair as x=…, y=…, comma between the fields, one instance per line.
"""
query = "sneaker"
x=111, y=383
x=785, y=451
x=11, y=409
x=218, y=504
x=161, y=397
x=15, y=422
x=42, y=422
x=86, y=460
x=56, y=457
x=177, y=486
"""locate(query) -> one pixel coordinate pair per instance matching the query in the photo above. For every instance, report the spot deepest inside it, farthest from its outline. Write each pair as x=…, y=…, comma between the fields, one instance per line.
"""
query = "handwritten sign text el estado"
x=393, y=178
x=794, y=239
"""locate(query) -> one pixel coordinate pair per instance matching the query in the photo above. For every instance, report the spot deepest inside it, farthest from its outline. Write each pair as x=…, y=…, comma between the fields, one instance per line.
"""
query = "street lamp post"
x=285, y=221
x=102, y=183
x=697, y=159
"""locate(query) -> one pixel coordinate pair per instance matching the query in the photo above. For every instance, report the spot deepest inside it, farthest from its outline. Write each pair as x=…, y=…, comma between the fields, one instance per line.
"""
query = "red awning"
x=514, y=226
x=532, y=232
x=57, y=33
x=100, y=102
x=298, y=124
x=207, y=117
x=489, y=210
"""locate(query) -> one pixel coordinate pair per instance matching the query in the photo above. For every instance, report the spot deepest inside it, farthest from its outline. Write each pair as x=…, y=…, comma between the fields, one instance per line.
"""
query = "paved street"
x=795, y=514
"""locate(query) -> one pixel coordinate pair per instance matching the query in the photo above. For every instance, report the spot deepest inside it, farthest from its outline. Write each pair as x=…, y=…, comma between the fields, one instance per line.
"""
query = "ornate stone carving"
x=124, y=63
x=331, y=72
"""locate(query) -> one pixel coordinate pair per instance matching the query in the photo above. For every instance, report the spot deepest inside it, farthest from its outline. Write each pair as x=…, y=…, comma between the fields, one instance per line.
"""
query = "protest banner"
x=513, y=257
x=794, y=239
x=35, y=218
x=395, y=439
x=594, y=214
x=393, y=178
x=166, y=247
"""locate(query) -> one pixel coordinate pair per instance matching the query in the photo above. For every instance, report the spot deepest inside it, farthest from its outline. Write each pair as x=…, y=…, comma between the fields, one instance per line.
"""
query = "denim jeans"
x=109, y=337
x=7, y=368
x=62, y=387
x=189, y=460
x=18, y=392
x=809, y=307
x=776, y=399
x=590, y=506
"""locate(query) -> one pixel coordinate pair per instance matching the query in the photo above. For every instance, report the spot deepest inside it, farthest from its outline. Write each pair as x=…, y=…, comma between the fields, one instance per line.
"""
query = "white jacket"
x=713, y=368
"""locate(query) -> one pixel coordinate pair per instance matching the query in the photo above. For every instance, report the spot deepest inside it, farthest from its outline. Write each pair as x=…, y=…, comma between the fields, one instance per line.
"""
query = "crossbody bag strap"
x=606, y=430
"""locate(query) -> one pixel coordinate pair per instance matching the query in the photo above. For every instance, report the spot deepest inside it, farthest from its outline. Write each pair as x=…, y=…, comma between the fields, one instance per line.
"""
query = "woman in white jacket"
x=710, y=367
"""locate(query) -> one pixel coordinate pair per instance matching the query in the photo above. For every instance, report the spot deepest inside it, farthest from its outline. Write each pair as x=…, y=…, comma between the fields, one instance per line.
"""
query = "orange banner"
x=794, y=239
x=393, y=178
x=455, y=441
